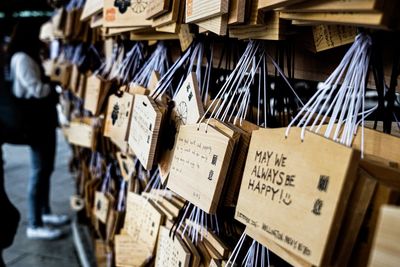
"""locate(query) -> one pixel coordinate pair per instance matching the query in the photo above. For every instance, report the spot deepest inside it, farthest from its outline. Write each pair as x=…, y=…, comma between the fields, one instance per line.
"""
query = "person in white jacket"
x=37, y=103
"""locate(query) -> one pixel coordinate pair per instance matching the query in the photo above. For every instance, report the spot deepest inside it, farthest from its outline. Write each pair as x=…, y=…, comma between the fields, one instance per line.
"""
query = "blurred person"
x=10, y=215
x=37, y=103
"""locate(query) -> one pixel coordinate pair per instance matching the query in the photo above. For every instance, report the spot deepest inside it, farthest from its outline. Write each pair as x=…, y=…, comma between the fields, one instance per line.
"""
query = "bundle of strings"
x=256, y=255
x=158, y=61
x=341, y=98
x=130, y=64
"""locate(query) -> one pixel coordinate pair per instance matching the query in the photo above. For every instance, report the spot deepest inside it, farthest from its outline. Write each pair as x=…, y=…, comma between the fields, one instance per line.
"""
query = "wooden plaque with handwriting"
x=123, y=14
x=199, y=166
x=199, y=10
x=171, y=252
x=188, y=109
x=144, y=129
x=295, y=192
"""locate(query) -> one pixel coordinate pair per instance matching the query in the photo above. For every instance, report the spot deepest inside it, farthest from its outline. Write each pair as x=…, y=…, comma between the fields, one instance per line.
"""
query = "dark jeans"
x=42, y=158
x=10, y=216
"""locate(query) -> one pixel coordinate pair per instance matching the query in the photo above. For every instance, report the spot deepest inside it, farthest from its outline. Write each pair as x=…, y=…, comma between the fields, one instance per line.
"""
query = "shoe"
x=54, y=219
x=44, y=233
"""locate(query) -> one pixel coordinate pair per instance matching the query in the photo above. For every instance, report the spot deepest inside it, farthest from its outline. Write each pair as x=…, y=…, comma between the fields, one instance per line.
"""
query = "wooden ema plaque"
x=188, y=109
x=170, y=17
x=129, y=253
x=156, y=8
x=118, y=116
x=95, y=93
x=91, y=8
x=300, y=188
x=217, y=25
x=101, y=206
x=199, y=10
x=272, y=4
x=125, y=13
x=331, y=36
x=126, y=164
x=171, y=252
x=144, y=129
x=185, y=37
x=82, y=133
x=237, y=12
x=200, y=164
x=386, y=248
x=142, y=220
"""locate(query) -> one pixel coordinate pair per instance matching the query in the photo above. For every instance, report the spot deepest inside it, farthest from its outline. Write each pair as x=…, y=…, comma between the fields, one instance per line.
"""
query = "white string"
x=235, y=252
x=347, y=104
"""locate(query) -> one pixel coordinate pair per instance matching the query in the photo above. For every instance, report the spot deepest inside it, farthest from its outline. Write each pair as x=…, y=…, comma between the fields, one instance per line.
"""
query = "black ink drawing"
x=317, y=207
x=214, y=160
x=323, y=183
x=210, y=175
x=182, y=112
x=114, y=114
x=139, y=6
x=98, y=205
x=122, y=5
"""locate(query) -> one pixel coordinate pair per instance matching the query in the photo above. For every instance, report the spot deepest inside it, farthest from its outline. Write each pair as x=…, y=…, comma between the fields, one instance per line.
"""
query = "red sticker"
x=110, y=14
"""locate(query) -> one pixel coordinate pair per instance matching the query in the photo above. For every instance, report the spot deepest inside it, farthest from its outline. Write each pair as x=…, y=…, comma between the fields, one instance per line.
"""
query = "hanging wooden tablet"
x=95, y=94
x=74, y=79
x=185, y=37
x=236, y=172
x=90, y=189
x=362, y=251
x=376, y=146
x=170, y=17
x=126, y=165
x=69, y=23
x=118, y=116
x=217, y=25
x=303, y=183
x=129, y=253
x=188, y=109
x=151, y=218
x=102, y=206
x=331, y=36
x=143, y=220
x=170, y=28
x=91, y=7
x=236, y=12
x=83, y=133
x=386, y=249
x=272, y=4
x=353, y=219
x=200, y=10
x=138, y=90
x=153, y=81
x=220, y=247
x=80, y=92
x=336, y=6
x=171, y=251
x=152, y=35
x=125, y=13
x=156, y=8
x=195, y=257
x=376, y=20
x=134, y=204
x=144, y=129
x=199, y=166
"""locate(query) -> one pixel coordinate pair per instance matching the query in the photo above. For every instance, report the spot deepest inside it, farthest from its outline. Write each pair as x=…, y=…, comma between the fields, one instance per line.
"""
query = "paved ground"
x=29, y=253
